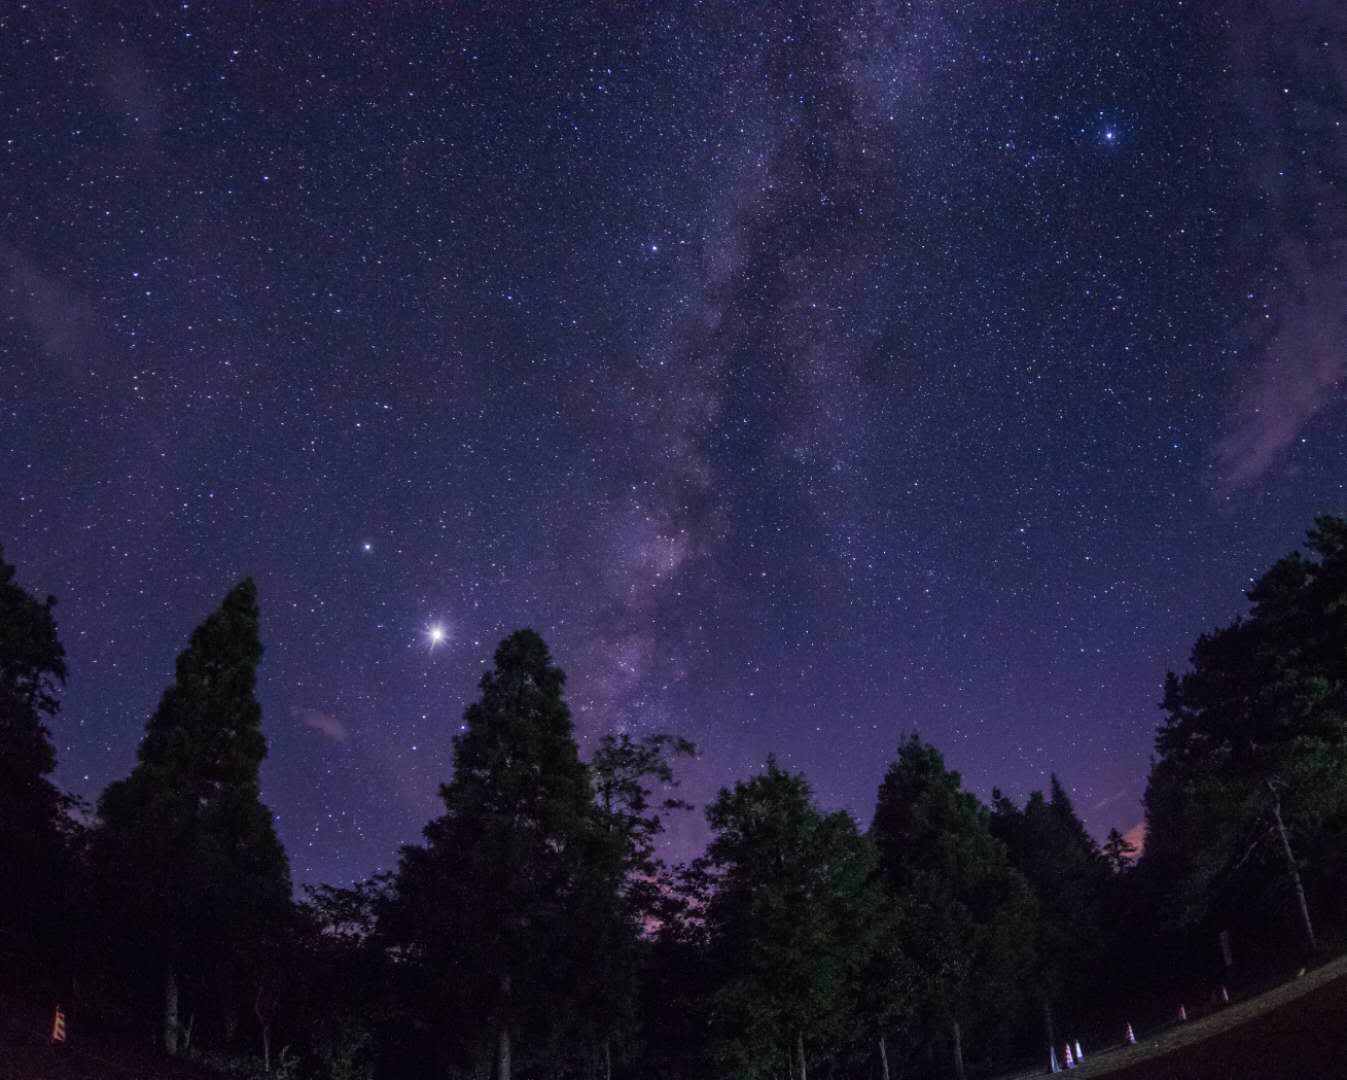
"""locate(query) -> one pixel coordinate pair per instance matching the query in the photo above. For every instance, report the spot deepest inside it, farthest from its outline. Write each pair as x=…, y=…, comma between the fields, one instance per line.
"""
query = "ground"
x=1303, y=1038
x=1296, y=1030
x=26, y=1054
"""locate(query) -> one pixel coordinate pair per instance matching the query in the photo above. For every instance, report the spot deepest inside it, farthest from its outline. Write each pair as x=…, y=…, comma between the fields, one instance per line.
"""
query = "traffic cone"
x=1225, y=996
x=1131, y=1039
x=58, y=1026
x=1070, y=1061
x=1053, y=1067
x=1080, y=1054
x=1183, y=1014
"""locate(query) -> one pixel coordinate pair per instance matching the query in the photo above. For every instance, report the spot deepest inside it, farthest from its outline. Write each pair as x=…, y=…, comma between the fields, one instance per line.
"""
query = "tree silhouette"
x=32, y=818
x=796, y=914
x=513, y=887
x=188, y=854
x=966, y=916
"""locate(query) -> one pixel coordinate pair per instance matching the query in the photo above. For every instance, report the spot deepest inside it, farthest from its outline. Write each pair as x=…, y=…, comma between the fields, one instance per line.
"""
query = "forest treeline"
x=535, y=931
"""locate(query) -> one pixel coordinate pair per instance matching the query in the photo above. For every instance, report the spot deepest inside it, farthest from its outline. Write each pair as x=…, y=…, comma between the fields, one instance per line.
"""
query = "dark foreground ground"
x=1296, y=1039
x=1305, y=1038
x=1296, y=1029
x=25, y=1054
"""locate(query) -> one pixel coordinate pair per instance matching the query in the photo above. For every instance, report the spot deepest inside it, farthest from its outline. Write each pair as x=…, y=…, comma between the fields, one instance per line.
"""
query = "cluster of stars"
x=804, y=376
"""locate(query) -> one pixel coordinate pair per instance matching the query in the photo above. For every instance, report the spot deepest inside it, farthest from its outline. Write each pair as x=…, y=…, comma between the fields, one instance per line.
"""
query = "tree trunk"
x=1047, y=1022
x=503, y=1067
x=171, y=1012
x=884, y=1058
x=958, y=1052
x=264, y=1019
x=1293, y=869
x=799, y=1047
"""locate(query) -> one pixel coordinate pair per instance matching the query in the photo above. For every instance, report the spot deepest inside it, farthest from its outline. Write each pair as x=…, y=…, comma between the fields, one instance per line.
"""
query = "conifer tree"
x=1049, y=844
x=515, y=880
x=186, y=848
x=965, y=915
x=1119, y=852
x=32, y=668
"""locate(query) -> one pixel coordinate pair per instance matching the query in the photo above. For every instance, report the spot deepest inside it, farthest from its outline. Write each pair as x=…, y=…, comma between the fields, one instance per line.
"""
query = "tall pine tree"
x=1049, y=844
x=1119, y=852
x=32, y=668
x=965, y=914
x=186, y=848
x=514, y=880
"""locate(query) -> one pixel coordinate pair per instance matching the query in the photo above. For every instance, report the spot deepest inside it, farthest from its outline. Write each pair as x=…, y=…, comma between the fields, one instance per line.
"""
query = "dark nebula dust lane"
x=805, y=374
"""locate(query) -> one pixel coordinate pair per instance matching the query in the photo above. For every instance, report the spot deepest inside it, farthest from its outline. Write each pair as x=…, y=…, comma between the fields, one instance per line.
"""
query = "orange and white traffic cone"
x=1131, y=1039
x=1066, y=1057
x=1183, y=1014
x=58, y=1026
x=1080, y=1054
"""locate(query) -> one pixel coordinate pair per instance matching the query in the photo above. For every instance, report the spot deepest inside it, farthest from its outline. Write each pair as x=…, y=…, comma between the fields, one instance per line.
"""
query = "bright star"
x=366, y=546
x=436, y=635
x=1110, y=135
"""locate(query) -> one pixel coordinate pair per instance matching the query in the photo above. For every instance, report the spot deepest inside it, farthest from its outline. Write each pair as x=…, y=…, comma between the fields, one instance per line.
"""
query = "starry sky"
x=806, y=373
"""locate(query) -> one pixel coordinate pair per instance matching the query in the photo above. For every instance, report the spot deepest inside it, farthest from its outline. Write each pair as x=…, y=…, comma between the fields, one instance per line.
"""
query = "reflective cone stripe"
x=1225, y=996
x=1131, y=1039
x=1053, y=1067
x=1080, y=1054
x=1183, y=1013
x=1070, y=1061
x=58, y=1026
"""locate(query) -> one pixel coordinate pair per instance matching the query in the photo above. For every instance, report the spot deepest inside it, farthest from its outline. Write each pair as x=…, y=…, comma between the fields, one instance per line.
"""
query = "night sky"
x=805, y=374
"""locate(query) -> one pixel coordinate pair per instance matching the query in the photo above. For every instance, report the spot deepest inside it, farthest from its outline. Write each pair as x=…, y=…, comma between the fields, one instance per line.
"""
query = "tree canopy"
x=506, y=905
x=964, y=913
x=186, y=851
x=32, y=818
x=537, y=928
x=794, y=916
x=1251, y=760
x=1048, y=843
